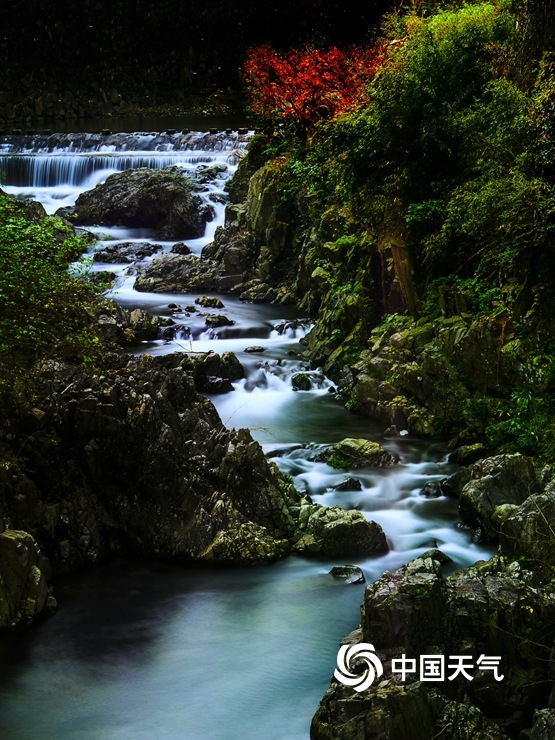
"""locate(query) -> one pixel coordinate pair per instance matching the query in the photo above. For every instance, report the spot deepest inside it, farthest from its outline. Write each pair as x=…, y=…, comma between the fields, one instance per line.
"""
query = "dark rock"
x=258, y=293
x=177, y=273
x=180, y=248
x=498, y=608
x=254, y=348
x=348, y=484
x=491, y=482
x=527, y=531
x=437, y=488
x=23, y=579
x=468, y=454
x=211, y=370
x=125, y=252
x=407, y=607
x=214, y=384
x=348, y=573
x=357, y=453
x=161, y=200
x=205, y=173
x=218, y=320
x=382, y=713
x=135, y=460
x=331, y=531
x=209, y=302
x=301, y=382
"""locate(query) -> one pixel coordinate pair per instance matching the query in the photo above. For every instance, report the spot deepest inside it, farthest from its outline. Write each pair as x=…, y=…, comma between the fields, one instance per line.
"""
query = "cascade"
x=143, y=650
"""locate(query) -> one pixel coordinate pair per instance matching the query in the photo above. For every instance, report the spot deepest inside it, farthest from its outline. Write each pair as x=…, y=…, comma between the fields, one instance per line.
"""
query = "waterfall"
x=71, y=159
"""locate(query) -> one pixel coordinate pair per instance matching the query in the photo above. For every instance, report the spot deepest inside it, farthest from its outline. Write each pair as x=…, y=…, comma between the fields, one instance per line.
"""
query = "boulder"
x=24, y=572
x=177, y=273
x=382, y=713
x=125, y=252
x=135, y=460
x=357, y=453
x=301, y=382
x=335, y=532
x=209, y=302
x=498, y=608
x=348, y=484
x=347, y=573
x=161, y=200
x=527, y=531
x=407, y=607
x=489, y=483
x=216, y=320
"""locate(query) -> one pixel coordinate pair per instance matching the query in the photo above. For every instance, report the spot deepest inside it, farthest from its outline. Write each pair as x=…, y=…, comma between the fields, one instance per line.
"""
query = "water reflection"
x=141, y=650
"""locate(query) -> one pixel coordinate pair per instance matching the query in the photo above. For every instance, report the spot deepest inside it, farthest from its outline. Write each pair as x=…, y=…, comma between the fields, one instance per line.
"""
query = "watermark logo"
x=431, y=667
x=347, y=657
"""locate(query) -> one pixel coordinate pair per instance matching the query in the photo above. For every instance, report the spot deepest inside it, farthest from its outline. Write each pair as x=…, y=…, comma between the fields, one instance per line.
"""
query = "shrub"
x=45, y=307
x=306, y=85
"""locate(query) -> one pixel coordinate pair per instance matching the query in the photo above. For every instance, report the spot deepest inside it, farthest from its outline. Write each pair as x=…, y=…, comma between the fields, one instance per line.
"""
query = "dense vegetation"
x=47, y=309
x=451, y=156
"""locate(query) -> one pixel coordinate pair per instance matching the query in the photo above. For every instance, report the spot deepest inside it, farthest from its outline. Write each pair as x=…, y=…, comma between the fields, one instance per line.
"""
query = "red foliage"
x=308, y=84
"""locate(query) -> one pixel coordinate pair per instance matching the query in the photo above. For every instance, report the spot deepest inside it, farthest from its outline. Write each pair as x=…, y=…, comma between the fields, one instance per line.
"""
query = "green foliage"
x=525, y=423
x=453, y=158
x=44, y=305
x=406, y=142
x=337, y=461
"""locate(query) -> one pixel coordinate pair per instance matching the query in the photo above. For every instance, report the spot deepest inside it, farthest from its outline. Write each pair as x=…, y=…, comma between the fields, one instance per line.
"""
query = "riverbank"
x=296, y=425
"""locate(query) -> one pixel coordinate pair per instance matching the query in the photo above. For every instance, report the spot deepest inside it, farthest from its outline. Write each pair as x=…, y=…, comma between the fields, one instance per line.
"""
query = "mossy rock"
x=353, y=453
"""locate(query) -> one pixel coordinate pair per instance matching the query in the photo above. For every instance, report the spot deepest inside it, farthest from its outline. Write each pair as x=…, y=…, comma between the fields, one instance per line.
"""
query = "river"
x=142, y=649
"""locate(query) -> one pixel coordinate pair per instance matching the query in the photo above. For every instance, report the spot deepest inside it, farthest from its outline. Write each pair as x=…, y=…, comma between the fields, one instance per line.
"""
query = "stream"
x=142, y=649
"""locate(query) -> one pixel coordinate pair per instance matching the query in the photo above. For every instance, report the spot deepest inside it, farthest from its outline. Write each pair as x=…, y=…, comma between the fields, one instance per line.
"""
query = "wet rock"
x=208, y=173
x=214, y=373
x=143, y=325
x=494, y=609
x=468, y=454
x=180, y=248
x=357, y=453
x=124, y=327
x=491, y=482
x=23, y=579
x=214, y=384
x=301, y=382
x=258, y=292
x=218, y=320
x=437, y=488
x=158, y=199
x=254, y=348
x=176, y=273
x=348, y=484
x=125, y=252
x=407, y=607
x=383, y=713
x=527, y=531
x=348, y=573
x=209, y=302
x=335, y=532
x=497, y=608
x=134, y=460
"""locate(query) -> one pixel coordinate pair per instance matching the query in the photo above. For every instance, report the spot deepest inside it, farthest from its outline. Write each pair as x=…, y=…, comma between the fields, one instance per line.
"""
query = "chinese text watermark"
x=427, y=667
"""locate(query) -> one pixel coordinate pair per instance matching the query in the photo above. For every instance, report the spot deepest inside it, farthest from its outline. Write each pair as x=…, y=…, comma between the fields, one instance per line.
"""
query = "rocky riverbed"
x=135, y=460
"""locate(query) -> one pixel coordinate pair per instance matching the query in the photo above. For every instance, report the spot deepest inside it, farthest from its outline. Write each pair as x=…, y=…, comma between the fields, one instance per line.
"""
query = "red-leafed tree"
x=306, y=85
